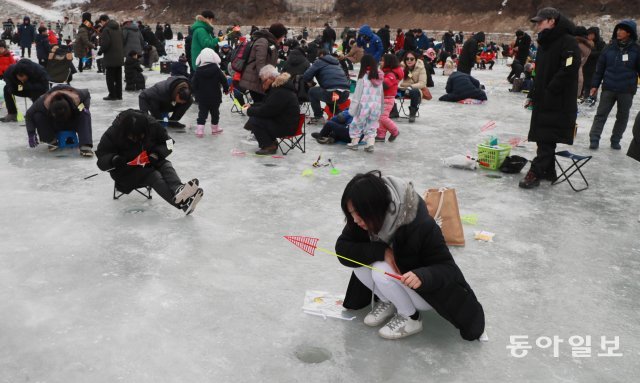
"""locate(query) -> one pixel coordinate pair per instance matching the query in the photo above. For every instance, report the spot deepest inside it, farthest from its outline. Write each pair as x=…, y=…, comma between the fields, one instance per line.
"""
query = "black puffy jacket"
x=208, y=81
x=115, y=142
x=461, y=86
x=419, y=247
x=555, y=86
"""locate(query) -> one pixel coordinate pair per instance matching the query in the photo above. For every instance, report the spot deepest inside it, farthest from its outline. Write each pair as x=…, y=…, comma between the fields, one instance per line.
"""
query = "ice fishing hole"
x=312, y=354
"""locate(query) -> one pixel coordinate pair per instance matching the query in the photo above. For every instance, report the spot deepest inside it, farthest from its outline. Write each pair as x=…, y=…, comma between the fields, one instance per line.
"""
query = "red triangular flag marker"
x=141, y=160
x=307, y=244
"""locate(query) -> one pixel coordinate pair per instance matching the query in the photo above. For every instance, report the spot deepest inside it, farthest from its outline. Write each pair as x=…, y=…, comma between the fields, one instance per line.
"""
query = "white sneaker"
x=380, y=313
x=370, y=142
x=185, y=191
x=191, y=203
x=400, y=327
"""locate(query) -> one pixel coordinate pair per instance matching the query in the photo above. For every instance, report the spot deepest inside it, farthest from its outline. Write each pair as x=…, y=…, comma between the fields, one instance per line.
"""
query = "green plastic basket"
x=492, y=157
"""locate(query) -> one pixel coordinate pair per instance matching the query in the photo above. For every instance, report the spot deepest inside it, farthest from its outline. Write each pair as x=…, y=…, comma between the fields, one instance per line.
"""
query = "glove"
x=118, y=161
x=33, y=140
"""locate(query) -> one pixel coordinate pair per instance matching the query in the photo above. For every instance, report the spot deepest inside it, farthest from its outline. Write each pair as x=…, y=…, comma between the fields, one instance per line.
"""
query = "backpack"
x=517, y=85
x=240, y=56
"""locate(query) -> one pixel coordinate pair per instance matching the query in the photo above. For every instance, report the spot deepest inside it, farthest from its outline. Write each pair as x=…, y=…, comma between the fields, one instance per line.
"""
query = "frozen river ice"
x=97, y=290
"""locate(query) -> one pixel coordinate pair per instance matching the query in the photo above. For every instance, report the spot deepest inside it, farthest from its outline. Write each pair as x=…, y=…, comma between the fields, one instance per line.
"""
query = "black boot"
x=530, y=181
x=412, y=113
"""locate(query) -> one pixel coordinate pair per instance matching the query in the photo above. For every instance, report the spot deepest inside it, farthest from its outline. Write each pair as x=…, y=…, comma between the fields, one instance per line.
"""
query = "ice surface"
x=97, y=290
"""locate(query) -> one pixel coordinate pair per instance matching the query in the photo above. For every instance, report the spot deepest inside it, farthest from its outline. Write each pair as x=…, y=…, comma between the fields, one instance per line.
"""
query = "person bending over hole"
x=388, y=227
x=61, y=108
x=172, y=95
x=134, y=150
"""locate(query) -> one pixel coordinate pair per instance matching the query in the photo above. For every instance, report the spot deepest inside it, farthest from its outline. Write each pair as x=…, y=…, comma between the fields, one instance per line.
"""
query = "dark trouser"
x=114, y=81
x=263, y=129
x=81, y=124
x=204, y=109
x=257, y=97
x=416, y=98
x=43, y=62
x=164, y=181
x=99, y=65
x=317, y=94
x=238, y=96
x=586, y=84
x=607, y=99
x=80, y=64
x=545, y=159
x=10, y=102
x=336, y=130
x=28, y=50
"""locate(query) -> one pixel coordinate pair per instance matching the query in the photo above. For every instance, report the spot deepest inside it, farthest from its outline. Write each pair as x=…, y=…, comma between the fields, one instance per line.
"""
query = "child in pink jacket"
x=393, y=75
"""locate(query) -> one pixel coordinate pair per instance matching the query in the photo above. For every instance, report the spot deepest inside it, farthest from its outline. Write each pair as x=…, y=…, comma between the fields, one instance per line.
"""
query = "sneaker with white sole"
x=185, y=191
x=400, y=326
x=380, y=313
x=191, y=203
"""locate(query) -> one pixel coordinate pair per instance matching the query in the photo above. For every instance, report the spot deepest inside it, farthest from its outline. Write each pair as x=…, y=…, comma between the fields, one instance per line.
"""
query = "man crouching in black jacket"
x=134, y=150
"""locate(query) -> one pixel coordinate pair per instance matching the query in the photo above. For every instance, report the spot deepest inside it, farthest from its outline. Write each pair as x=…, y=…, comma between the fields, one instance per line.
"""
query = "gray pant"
x=607, y=100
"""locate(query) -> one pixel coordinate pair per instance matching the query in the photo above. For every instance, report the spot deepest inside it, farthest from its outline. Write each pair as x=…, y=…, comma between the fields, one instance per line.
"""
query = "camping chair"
x=403, y=109
x=146, y=193
x=578, y=162
x=236, y=107
x=305, y=108
x=297, y=140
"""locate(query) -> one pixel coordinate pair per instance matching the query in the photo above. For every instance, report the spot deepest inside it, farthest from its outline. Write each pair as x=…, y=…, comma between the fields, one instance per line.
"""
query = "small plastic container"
x=492, y=157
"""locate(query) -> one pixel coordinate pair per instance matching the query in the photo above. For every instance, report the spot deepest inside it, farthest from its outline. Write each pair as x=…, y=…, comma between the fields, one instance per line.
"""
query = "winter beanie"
x=207, y=56
x=86, y=16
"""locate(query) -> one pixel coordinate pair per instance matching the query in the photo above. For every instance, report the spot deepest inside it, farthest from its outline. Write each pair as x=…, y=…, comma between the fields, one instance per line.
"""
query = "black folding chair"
x=578, y=162
x=146, y=193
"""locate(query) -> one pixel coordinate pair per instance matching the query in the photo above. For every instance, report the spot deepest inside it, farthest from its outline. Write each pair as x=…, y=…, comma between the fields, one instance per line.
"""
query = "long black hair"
x=369, y=197
x=390, y=61
x=406, y=66
x=370, y=65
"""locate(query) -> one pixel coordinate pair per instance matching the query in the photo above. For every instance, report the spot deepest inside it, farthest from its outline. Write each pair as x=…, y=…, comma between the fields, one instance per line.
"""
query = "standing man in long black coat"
x=553, y=97
x=385, y=35
x=469, y=51
x=112, y=45
x=523, y=43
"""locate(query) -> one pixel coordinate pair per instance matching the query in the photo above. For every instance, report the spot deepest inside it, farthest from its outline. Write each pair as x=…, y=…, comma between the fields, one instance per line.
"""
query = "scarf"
x=402, y=209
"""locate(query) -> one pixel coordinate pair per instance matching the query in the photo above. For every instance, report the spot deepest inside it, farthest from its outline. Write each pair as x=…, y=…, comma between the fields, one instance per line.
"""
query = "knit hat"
x=182, y=58
x=430, y=53
x=3, y=44
x=207, y=56
x=86, y=16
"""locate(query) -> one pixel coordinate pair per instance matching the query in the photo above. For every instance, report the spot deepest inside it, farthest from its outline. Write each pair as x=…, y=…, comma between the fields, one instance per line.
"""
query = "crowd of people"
x=272, y=74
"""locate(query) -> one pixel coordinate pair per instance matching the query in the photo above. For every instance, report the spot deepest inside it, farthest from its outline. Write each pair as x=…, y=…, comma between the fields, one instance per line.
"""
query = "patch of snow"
x=68, y=3
x=33, y=9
